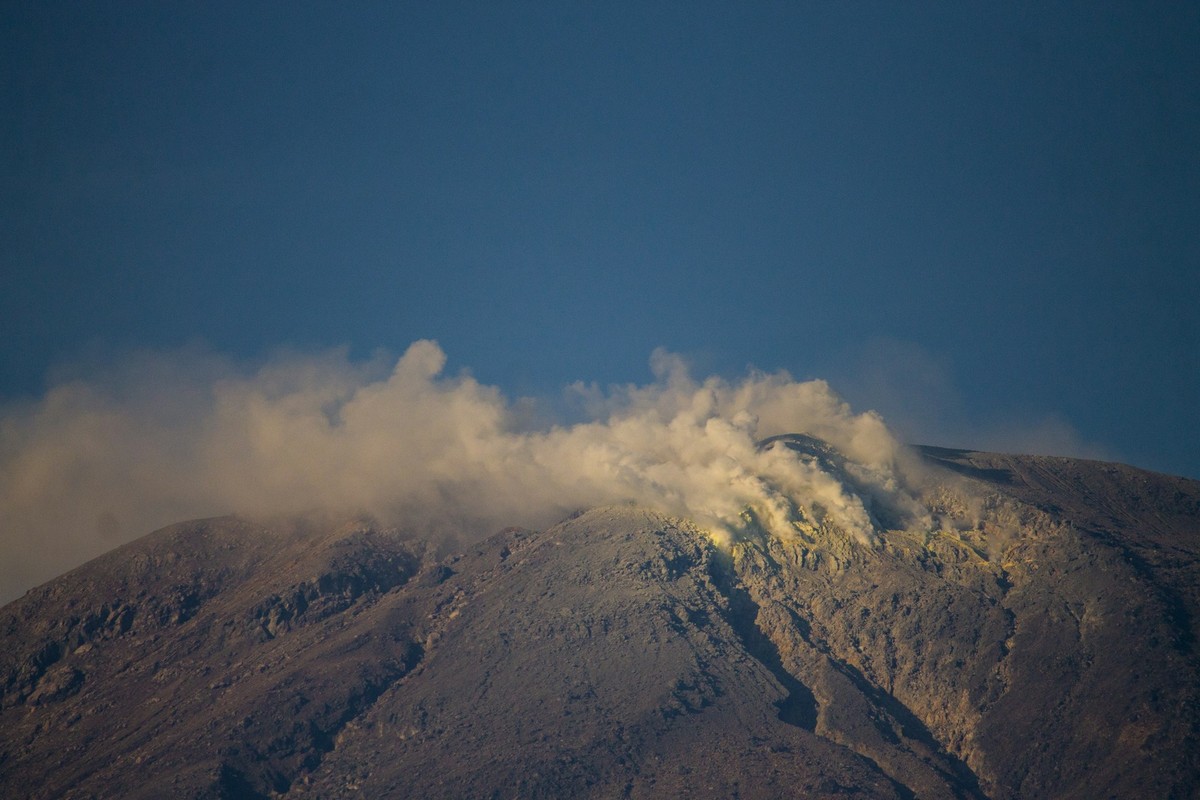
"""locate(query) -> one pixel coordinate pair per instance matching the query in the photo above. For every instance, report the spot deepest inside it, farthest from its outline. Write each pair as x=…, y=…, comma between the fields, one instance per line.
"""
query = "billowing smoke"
x=97, y=462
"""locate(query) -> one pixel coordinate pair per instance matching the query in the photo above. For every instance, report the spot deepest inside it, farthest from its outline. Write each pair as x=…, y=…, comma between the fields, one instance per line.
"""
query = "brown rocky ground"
x=1040, y=643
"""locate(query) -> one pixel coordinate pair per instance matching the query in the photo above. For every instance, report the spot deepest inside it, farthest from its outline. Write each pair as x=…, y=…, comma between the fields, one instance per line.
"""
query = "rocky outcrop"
x=152, y=672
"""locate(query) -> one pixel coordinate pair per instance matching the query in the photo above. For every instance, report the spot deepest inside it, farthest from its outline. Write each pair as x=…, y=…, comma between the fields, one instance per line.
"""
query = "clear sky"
x=981, y=219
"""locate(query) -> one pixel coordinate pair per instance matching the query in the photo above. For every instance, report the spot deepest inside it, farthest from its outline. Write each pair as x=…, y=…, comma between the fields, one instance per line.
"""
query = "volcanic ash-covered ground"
x=1036, y=639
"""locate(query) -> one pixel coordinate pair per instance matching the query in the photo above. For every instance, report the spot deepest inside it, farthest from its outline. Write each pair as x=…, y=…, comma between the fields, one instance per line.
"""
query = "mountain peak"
x=623, y=652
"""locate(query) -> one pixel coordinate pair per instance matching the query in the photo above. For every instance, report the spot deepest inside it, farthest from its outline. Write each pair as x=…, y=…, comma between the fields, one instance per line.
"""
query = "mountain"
x=1038, y=641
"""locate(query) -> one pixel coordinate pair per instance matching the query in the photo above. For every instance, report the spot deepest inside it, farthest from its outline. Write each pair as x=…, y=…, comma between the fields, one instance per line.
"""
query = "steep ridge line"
x=897, y=728
x=799, y=706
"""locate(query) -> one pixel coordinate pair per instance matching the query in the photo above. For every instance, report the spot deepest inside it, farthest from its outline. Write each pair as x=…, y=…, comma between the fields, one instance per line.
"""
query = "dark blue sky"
x=982, y=219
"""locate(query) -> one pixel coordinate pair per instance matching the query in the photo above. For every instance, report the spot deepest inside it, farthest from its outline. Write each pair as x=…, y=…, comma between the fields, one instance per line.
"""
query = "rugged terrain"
x=1038, y=641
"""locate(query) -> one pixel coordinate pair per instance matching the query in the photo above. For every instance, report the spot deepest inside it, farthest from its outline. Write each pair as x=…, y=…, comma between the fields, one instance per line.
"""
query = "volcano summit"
x=1038, y=639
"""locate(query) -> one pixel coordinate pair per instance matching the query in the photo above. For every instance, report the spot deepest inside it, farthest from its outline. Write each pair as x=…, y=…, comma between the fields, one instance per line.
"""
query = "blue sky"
x=981, y=219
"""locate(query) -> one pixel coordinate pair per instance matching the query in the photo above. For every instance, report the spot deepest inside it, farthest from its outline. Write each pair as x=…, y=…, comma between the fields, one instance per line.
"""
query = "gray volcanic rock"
x=606, y=657
x=1038, y=641
x=206, y=657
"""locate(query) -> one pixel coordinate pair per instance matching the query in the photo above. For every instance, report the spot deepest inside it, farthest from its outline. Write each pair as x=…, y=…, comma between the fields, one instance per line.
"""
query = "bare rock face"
x=1040, y=641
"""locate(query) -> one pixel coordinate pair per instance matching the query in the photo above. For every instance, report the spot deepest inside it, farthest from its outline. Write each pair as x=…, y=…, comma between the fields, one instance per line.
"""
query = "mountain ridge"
x=1041, y=642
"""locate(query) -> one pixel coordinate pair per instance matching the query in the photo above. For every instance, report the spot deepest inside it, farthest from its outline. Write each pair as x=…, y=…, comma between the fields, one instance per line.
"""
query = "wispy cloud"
x=163, y=437
x=917, y=393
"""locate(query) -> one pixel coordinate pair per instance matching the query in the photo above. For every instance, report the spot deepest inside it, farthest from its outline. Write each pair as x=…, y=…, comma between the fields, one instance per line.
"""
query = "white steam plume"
x=95, y=463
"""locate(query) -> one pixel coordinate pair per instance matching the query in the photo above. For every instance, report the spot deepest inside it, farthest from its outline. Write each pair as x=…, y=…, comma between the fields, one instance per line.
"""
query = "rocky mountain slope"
x=1038, y=641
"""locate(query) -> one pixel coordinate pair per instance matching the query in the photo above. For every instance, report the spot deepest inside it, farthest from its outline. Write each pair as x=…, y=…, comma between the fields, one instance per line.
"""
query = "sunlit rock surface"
x=1037, y=639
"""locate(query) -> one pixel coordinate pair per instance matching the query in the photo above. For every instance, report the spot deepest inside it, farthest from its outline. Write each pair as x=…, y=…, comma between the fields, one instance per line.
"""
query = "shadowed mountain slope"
x=1039, y=641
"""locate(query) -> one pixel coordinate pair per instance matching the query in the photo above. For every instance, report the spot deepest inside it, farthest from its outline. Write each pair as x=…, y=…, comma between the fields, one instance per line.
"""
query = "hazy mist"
x=163, y=437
